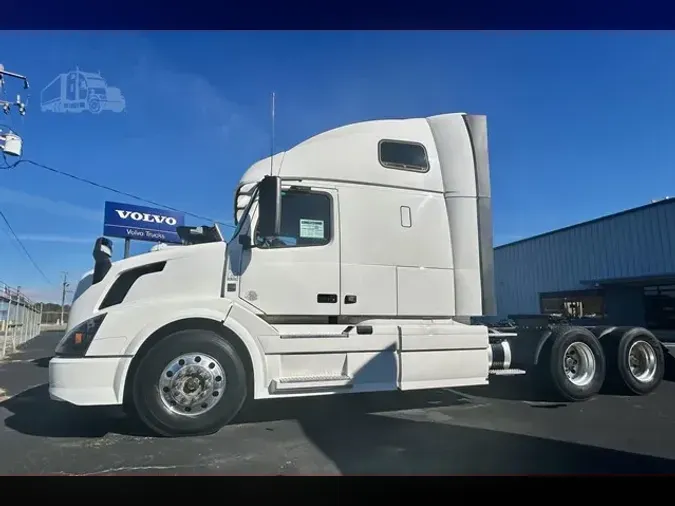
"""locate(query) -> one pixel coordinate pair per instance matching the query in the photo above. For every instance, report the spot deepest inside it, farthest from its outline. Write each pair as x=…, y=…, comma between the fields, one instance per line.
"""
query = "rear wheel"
x=191, y=382
x=639, y=361
x=576, y=364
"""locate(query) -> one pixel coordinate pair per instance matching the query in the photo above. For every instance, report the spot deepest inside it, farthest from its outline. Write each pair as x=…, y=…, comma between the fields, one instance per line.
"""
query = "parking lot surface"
x=501, y=429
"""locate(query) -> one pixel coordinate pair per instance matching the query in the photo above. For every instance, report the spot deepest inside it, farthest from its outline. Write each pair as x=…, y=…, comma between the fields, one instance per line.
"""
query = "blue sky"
x=580, y=124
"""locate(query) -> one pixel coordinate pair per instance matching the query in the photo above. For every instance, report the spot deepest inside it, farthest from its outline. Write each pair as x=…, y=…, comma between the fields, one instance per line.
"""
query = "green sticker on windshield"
x=311, y=229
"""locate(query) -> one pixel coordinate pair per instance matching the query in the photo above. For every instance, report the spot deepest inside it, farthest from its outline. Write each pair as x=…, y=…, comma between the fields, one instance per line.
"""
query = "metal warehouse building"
x=618, y=270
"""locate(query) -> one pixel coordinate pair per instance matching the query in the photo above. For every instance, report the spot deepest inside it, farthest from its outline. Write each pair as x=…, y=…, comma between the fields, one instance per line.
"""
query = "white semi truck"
x=357, y=255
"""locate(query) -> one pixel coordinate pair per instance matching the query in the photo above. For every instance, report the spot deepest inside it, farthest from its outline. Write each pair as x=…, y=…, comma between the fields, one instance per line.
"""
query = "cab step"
x=309, y=383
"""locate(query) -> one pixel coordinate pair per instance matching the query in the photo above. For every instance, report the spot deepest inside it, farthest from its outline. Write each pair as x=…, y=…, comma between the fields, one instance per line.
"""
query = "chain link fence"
x=19, y=319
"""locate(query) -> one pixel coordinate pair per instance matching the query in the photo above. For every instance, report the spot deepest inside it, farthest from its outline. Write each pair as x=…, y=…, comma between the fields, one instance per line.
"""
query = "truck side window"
x=306, y=220
x=403, y=155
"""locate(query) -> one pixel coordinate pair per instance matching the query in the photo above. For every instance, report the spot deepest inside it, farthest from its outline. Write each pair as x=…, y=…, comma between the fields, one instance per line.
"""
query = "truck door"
x=297, y=273
x=72, y=92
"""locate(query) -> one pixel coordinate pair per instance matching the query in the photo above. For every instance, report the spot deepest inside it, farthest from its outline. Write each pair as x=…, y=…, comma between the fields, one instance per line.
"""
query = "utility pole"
x=11, y=142
x=63, y=294
x=6, y=106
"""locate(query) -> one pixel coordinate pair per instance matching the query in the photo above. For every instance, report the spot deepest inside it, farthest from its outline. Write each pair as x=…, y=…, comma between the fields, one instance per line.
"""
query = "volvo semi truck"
x=358, y=257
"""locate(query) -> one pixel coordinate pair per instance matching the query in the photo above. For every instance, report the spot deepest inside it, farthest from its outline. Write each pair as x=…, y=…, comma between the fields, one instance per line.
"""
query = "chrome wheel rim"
x=192, y=384
x=642, y=361
x=579, y=364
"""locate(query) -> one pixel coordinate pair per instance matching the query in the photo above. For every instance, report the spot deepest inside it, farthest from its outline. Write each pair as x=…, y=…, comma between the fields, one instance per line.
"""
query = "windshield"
x=96, y=82
x=244, y=215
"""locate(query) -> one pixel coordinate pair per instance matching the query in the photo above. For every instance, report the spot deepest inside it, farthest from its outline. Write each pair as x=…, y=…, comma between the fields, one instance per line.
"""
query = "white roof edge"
x=262, y=167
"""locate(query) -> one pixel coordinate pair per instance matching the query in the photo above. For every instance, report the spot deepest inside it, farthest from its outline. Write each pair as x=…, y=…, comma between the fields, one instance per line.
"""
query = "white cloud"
x=197, y=108
x=45, y=294
x=56, y=238
x=54, y=207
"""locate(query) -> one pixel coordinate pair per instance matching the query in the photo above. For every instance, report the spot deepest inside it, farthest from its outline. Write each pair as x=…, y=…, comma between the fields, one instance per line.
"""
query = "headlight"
x=76, y=342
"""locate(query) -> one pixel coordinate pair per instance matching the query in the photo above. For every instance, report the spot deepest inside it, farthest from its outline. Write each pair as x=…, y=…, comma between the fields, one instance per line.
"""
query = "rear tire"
x=638, y=360
x=191, y=382
x=576, y=364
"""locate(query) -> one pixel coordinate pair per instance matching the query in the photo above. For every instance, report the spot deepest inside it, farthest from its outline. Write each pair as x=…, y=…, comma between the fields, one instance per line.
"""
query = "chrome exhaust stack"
x=103, y=250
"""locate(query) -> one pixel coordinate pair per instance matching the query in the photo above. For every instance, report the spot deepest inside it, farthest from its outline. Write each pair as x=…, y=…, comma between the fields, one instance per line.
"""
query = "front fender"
x=157, y=323
x=221, y=316
x=255, y=351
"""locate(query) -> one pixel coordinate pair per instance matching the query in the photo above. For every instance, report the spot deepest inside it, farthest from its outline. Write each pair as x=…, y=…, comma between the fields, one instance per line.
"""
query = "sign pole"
x=127, y=245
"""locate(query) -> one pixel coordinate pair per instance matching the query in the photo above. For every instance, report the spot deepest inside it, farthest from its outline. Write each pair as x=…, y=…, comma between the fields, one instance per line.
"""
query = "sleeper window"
x=305, y=221
x=403, y=155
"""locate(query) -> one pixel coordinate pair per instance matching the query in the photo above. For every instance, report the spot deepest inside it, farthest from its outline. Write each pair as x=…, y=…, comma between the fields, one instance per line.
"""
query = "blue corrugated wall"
x=639, y=242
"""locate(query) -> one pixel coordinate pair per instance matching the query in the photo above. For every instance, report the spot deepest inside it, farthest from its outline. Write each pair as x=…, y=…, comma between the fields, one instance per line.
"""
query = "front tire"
x=94, y=105
x=191, y=382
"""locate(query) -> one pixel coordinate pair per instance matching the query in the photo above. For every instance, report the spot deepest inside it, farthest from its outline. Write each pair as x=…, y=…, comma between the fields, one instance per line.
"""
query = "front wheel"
x=191, y=382
x=95, y=106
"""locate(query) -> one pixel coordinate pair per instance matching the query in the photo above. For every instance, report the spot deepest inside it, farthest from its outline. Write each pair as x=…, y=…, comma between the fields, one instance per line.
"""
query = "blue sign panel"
x=141, y=223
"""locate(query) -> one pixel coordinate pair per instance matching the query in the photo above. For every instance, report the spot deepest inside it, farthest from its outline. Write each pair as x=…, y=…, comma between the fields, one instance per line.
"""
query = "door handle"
x=327, y=298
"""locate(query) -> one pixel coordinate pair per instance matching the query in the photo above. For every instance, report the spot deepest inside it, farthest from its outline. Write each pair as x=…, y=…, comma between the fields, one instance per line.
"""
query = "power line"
x=114, y=190
x=37, y=267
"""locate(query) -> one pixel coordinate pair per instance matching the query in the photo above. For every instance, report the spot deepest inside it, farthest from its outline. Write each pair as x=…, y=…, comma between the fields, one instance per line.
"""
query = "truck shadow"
x=41, y=362
x=354, y=404
x=512, y=388
x=381, y=444
x=357, y=434
x=34, y=413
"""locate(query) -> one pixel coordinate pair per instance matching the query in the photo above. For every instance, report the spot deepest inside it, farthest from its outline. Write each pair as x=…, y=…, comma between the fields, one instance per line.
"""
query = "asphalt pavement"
x=501, y=429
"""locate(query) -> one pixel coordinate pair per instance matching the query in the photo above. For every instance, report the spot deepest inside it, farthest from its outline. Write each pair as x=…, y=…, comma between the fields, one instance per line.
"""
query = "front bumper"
x=85, y=381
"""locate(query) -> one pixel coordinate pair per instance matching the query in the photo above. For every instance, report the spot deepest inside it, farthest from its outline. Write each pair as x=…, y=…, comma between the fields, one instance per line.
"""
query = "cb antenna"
x=272, y=144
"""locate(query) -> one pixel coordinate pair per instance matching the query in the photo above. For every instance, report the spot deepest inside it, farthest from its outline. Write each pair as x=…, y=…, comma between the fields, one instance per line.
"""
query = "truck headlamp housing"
x=76, y=342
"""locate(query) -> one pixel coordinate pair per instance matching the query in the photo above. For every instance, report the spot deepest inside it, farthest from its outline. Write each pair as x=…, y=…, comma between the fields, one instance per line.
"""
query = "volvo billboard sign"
x=141, y=223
